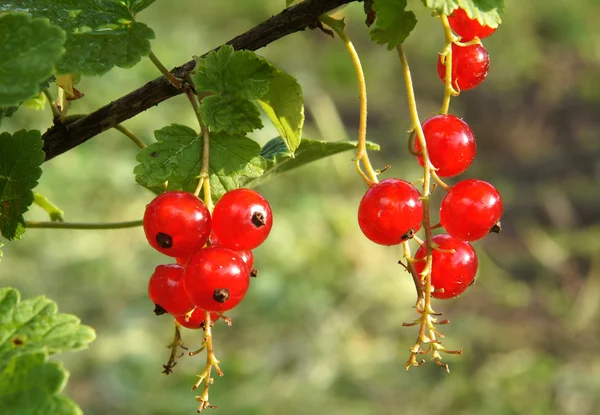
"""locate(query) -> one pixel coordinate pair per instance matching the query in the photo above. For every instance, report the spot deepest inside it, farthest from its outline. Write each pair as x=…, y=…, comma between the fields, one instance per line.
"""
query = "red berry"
x=177, y=224
x=216, y=279
x=471, y=209
x=166, y=289
x=468, y=28
x=450, y=144
x=242, y=219
x=470, y=66
x=246, y=255
x=390, y=212
x=454, y=265
x=196, y=319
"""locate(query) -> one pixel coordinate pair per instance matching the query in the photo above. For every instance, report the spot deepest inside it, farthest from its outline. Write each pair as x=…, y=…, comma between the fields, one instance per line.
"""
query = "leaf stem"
x=56, y=114
x=82, y=225
x=446, y=57
x=166, y=73
x=126, y=131
x=427, y=334
x=370, y=177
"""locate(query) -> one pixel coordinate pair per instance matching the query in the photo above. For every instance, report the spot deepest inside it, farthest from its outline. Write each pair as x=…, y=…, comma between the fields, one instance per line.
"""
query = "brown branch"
x=64, y=137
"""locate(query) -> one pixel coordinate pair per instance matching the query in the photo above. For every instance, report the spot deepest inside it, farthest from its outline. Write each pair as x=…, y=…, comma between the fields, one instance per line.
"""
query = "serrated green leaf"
x=487, y=12
x=393, y=23
x=8, y=111
x=29, y=50
x=276, y=154
x=20, y=170
x=176, y=157
x=29, y=386
x=284, y=105
x=100, y=33
x=54, y=212
x=33, y=325
x=232, y=115
x=240, y=73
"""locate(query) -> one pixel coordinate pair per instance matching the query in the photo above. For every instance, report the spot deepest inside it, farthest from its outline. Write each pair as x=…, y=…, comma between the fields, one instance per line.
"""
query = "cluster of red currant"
x=392, y=211
x=214, y=255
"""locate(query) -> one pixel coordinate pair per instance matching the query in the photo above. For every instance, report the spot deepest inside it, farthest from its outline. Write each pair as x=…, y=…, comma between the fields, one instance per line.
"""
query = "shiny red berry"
x=468, y=28
x=390, y=212
x=242, y=219
x=454, y=265
x=216, y=279
x=166, y=289
x=177, y=224
x=246, y=255
x=471, y=209
x=450, y=143
x=470, y=66
x=196, y=319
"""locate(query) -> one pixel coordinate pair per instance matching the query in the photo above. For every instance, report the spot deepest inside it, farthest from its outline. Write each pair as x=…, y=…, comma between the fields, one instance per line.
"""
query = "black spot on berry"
x=158, y=310
x=408, y=235
x=221, y=295
x=497, y=228
x=254, y=273
x=163, y=240
x=258, y=219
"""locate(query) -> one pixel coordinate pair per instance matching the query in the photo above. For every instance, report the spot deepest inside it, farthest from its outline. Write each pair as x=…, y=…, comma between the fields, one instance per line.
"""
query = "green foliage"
x=29, y=386
x=487, y=12
x=279, y=161
x=7, y=112
x=232, y=115
x=176, y=157
x=284, y=105
x=30, y=49
x=99, y=34
x=20, y=170
x=393, y=23
x=33, y=325
x=55, y=213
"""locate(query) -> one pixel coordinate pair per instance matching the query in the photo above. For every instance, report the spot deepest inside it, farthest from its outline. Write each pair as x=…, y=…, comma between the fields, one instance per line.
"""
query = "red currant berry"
x=450, y=144
x=196, y=319
x=471, y=209
x=390, y=212
x=246, y=255
x=177, y=224
x=470, y=66
x=468, y=28
x=453, y=268
x=242, y=219
x=216, y=279
x=166, y=289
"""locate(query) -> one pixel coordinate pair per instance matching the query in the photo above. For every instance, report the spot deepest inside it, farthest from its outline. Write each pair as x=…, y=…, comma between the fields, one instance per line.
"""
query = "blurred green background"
x=321, y=328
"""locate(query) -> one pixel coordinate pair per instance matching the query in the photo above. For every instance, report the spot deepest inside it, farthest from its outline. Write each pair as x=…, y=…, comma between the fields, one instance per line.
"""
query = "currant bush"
x=453, y=266
x=471, y=209
x=177, y=223
x=450, y=143
x=470, y=65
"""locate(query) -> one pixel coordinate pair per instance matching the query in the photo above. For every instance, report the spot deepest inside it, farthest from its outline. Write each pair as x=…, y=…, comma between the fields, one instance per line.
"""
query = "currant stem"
x=370, y=177
x=81, y=225
x=56, y=114
x=126, y=131
x=162, y=68
x=211, y=361
x=176, y=344
x=424, y=286
x=449, y=91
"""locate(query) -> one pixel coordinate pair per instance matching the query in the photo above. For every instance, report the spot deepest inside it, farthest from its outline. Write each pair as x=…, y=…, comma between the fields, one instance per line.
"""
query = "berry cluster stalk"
x=428, y=335
x=449, y=90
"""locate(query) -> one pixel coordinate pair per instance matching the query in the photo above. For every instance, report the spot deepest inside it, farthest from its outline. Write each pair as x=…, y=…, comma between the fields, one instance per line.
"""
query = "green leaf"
x=487, y=12
x=288, y=3
x=20, y=170
x=176, y=157
x=33, y=325
x=29, y=386
x=56, y=214
x=276, y=154
x=393, y=23
x=36, y=103
x=232, y=115
x=100, y=33
x=240, y=73
x=284, y=105
x=7, y=111
x=29, y=49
